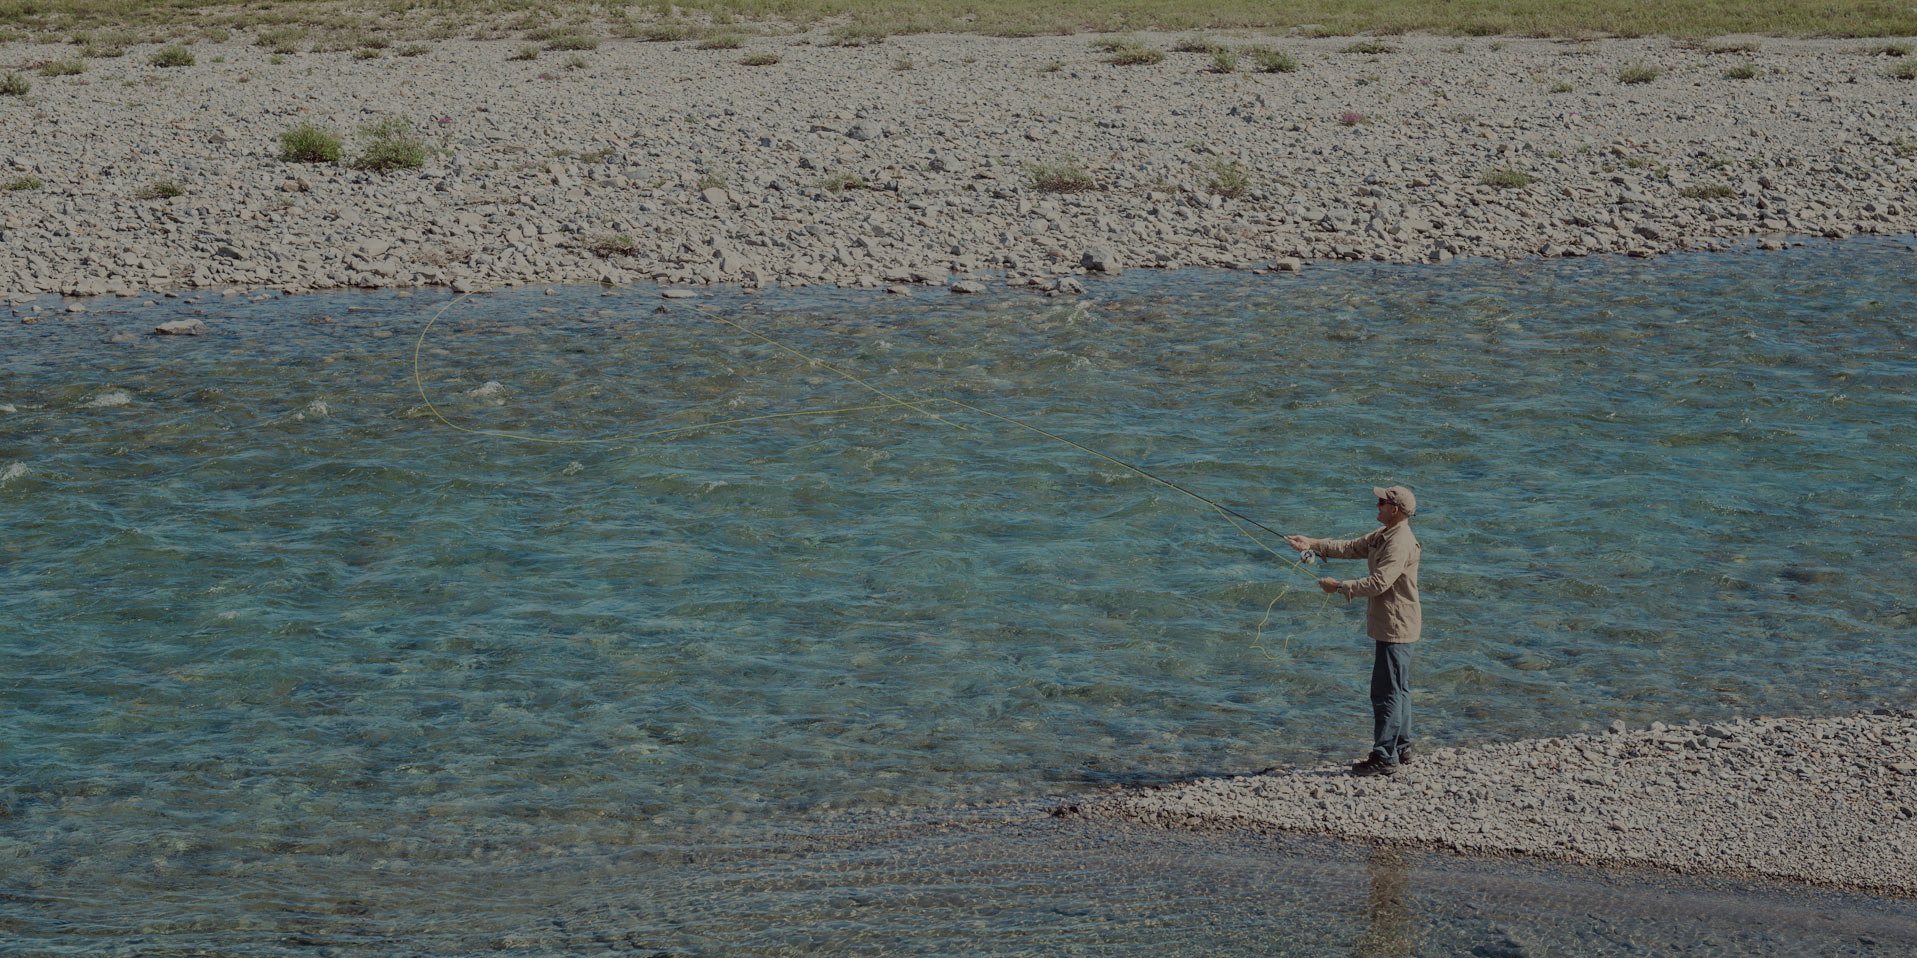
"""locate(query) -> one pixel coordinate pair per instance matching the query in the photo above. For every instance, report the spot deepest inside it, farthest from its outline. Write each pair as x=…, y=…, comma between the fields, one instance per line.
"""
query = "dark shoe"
x=1373, y=765
x=1404, y=755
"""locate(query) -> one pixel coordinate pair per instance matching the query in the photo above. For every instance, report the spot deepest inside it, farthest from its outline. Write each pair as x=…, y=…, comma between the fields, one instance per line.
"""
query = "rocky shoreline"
x=662, y=162
x=1832, y=801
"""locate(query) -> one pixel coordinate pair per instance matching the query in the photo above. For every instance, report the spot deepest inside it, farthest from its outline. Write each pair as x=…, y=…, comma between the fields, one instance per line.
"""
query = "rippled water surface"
x=290, y=663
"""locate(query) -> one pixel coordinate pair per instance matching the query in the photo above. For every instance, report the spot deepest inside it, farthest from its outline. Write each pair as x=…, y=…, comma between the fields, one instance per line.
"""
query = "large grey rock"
x=181, y=327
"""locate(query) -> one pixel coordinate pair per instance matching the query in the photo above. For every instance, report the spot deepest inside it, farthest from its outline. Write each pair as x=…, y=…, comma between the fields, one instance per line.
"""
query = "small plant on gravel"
x=13, y=84
x=1507, y=178
x=1742, y=71
x=577, y=62
x=1223, y=60
x=1066, y=177
x=1715, y=191
x=1903, y=148
x=1113, y=44
x=275, y=58
x=1195, y=44
x=1906, y=70
x=62, y=68
x=1889, y=50
x=609, y=244
x=711, y=181
x=21, y=184
x=414, y=50
x=597, y=156
x=526, y=52
x=838, y=182
x=1228, y=179
x=282, y=39
x=729, y=41
x=573, y=42
x=1369, y=46
x=159, y=190
x=1560, y=87
x=172, y=56
x=1350, y=118
x=1136, y=54
x=391, y=144
x=759, y=59
x=902, y=64
x=857, y=35
x=309, y=143
x=1053, y=67
x=1272, y=61
x=1733, y=46
x=93, y=52
x=1637, y=71
x=368, y=53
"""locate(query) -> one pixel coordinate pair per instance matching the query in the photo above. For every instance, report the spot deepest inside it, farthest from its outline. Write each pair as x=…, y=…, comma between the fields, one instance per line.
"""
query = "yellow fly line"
x=916, y=403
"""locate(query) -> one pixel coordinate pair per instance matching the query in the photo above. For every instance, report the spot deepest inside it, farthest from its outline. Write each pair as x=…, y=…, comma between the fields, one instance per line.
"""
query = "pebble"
x=716, y=183
x=1821, y=800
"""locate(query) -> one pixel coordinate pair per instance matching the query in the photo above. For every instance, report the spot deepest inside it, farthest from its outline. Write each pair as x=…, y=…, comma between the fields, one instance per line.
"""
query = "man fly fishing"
x=1393, y=619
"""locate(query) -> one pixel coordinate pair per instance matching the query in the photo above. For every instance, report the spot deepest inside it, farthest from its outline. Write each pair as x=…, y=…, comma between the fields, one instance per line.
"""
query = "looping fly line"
x=916, y=403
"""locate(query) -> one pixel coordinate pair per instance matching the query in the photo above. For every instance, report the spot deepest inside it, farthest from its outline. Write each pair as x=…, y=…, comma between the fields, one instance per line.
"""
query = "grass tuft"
x=1136, y=54
x=63, y=68
x=573, y=42
x=21, y=184
x=668, y=32
x=1223, y=60
x=13, y=84
x=759, y=59
x=1889, y=50
x=605, y=245
x=577, y=62
x=172, y=56
x=392, y=144
x=1560, y=87
x=730, y=41
x=1228, y=179
x=1637, y=71
x=1056, y=66
x=1369, y=46
x=1732, y=46
x=1270, y=60
x=1742, y=71
x=282, y=40
x=309, y=143
x=1906, y=70
x=1507, y=178
x=838, y=182
x=1066, y=177
x=159, y=190
x=414, y=50
x=525, y=52
x=1195, y=44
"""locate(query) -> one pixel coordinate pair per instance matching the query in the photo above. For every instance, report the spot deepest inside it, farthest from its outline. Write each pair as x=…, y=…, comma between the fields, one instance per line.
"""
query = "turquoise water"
x=279, y=639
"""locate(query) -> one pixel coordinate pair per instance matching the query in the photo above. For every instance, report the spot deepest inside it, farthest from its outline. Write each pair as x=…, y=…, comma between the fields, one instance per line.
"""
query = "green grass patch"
x=1223, y=60
x=839, y=182
x=729, y=41
x=1714, y=191
x=606, y=245
x=1732, y=46
x=577, y=62
x=1889, y=50
x=1560, y=87
x=13, y=84
x=283, y=40
x=525, y=52
x=1507, y=178
x=1196, y=44
x=1637, y=71
x=172, y=56
x=1369, y=46
x=21, y=184
x=1906, y=70
x=391, y=144
x=1742, y=71
x=1228, y=179
x=759, y=59
x=668, y=32
x=159, y=190
x=1066, y=177
x=1135, y=54
x=309, y=143
x=63, y=68
x=710, y=181
x=1270, y=60
x=414, y=50
x=573, y=42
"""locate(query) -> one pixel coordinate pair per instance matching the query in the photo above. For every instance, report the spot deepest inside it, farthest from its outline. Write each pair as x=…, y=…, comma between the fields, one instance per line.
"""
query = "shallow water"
x=279, y=638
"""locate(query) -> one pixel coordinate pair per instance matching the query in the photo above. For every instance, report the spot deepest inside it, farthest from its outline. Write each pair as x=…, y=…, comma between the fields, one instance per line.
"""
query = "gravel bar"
x=665, y=163
x=1831, y=801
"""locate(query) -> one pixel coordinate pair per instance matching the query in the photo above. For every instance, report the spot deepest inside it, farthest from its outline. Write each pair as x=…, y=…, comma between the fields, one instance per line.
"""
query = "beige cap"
x=1398, y=496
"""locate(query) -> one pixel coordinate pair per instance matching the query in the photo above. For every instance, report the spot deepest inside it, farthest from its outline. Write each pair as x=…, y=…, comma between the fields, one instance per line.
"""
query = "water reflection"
x=1391, y=923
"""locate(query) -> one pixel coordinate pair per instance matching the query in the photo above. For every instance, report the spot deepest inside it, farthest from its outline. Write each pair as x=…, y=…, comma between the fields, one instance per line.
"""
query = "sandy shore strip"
x=925, y=160
x=1831, y=801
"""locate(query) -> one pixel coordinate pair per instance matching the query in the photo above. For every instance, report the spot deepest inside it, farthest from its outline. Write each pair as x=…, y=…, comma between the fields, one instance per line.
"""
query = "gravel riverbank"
x=1831, y=801
x=717, y=172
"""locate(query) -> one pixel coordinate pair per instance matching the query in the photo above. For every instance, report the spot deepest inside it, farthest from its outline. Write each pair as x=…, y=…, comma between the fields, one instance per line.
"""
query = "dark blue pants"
x=1391, y=700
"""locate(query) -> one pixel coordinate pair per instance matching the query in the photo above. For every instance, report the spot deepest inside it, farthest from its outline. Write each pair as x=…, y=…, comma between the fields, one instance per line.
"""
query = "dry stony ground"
x=1351, y=156
x=1831, y=801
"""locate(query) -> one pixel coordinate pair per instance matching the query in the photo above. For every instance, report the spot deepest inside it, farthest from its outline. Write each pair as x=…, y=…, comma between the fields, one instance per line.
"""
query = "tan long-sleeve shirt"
x=1392, y=612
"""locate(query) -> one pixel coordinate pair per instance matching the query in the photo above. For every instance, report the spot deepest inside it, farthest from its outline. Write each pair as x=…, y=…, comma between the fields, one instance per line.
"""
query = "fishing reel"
x=1308, y=556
